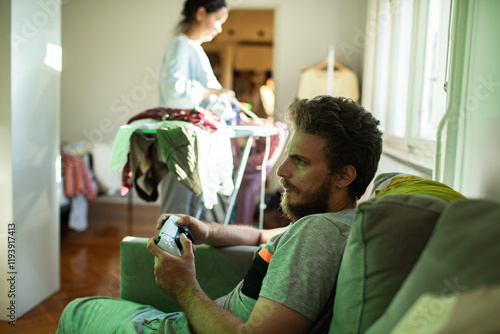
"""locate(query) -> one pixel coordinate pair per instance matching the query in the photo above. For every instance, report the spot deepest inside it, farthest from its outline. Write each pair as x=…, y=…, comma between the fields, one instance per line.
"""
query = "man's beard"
x=313, y=201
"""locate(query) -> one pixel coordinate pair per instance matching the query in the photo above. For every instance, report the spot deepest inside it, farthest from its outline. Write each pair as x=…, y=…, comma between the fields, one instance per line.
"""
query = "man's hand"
x=175, y=275
x=198, y=229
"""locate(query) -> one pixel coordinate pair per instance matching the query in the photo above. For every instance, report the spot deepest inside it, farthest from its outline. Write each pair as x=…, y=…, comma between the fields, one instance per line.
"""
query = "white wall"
x=112, y=51
x=31, y=201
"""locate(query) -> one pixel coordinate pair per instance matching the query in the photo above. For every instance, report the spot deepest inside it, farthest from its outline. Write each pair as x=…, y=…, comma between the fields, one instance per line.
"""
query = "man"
x=332, y=157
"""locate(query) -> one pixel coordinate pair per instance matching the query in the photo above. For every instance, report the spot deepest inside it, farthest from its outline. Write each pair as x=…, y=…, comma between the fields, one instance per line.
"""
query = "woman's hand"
x=230, y=93
x=210, y=91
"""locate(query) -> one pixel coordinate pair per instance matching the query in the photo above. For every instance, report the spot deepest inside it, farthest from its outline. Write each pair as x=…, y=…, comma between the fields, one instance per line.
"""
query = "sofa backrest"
x=387, y=237
x=462, y=254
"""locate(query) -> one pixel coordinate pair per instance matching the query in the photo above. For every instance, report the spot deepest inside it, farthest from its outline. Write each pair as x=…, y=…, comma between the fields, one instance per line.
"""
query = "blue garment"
x=185, y=70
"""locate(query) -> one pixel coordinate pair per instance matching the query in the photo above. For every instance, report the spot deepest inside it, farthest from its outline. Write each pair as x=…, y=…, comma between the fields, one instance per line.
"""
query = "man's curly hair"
x=351, y=133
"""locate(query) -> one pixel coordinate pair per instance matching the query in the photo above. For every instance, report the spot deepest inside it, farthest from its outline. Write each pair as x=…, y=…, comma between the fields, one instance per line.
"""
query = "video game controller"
x=169, y=238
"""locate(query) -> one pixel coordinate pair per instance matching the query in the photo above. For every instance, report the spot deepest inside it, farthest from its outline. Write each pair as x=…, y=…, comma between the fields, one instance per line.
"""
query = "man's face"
x=306, y=178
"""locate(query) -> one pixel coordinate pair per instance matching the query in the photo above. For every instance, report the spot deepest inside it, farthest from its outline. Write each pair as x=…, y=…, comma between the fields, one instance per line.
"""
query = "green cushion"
x=462, y=254
x=387, y=237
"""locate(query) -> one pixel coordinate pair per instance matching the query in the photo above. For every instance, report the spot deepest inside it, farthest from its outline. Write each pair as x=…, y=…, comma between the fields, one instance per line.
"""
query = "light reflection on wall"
x=53, y=56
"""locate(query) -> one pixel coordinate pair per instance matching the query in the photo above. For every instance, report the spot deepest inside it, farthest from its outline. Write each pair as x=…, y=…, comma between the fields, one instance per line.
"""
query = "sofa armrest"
x=218, y=271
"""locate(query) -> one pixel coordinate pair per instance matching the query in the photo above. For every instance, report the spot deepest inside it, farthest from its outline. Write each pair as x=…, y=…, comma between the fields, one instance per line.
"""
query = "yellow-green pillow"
x=410, y=184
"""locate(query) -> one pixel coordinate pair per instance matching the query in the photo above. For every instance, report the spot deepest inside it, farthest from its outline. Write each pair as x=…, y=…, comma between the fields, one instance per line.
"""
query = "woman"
x=186, y=77
x=187, y=81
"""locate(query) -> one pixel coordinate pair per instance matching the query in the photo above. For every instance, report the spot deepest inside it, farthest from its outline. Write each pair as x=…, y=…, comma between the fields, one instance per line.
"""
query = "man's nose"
x=282, y=170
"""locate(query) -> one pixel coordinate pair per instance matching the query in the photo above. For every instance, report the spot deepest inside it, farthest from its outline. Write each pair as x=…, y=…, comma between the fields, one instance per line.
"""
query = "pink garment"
x=247, y=197
x=76, y=177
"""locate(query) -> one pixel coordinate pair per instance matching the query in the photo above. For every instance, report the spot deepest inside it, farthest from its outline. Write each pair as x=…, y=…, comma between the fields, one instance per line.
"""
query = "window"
x=409, y=65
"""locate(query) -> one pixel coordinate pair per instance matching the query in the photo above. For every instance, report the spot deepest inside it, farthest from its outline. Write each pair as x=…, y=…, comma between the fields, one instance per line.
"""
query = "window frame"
x=408, y=148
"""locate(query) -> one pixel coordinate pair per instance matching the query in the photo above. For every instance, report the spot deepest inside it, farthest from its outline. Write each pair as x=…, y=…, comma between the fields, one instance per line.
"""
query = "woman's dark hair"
x=351, y=133
x=191, y=7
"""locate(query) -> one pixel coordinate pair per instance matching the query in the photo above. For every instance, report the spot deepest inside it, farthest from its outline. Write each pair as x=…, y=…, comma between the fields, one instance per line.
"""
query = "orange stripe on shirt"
x=265, y=255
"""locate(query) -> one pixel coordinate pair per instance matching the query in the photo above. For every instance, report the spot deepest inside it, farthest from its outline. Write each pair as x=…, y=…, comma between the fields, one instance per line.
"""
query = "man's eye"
x=299, y=161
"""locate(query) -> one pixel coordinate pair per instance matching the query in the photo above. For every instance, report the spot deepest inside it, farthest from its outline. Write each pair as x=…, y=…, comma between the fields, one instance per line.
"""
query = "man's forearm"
x=230, y=235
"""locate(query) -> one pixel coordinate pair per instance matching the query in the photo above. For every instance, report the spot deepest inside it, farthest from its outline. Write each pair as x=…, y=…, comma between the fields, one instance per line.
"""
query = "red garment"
x=76, y=177
x=203, y=118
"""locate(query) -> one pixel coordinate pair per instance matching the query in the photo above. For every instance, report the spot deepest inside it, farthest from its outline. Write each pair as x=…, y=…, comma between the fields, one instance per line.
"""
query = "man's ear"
x=346, y=177
x=200, y=13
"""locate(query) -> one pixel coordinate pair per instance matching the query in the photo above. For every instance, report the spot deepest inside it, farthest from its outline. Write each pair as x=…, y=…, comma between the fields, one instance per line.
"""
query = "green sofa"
x=401, y=247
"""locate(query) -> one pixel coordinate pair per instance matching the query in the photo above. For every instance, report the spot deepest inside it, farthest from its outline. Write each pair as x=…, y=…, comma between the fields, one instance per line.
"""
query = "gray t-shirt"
x=297, y=268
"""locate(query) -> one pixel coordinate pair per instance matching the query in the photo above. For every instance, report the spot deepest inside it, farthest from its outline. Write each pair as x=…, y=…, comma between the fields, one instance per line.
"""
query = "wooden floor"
x=90, y=260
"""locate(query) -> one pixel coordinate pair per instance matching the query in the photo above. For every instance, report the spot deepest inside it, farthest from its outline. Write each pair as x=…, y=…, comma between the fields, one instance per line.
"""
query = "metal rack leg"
x=263, y=176
x=239, y=177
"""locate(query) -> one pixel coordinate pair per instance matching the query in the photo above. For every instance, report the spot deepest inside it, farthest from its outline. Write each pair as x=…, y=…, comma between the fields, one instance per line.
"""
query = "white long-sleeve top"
x=184, y=71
